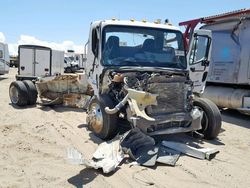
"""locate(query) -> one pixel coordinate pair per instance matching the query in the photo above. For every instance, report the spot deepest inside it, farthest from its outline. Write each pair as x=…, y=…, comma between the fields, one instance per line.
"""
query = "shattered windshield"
x=142, y=46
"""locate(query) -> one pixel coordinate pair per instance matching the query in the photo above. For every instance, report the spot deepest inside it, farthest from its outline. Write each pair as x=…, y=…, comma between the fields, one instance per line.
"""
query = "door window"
x=200, y=49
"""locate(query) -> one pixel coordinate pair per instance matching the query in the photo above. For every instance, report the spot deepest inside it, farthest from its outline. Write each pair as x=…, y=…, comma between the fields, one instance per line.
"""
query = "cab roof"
x=136, y=24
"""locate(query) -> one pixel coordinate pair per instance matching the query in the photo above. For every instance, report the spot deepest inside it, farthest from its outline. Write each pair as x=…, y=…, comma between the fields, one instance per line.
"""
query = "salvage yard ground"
x=34, y=141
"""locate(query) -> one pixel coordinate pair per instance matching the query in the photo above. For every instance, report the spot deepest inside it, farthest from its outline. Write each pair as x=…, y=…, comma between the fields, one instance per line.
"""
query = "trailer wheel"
x=32, y=91
x=211, y=121
x=102, y=124
x=18, y=93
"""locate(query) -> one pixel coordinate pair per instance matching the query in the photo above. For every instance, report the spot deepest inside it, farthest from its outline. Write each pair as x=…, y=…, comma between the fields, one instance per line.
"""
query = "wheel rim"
x=14, y=94
x=204, y=120
x=95, y=117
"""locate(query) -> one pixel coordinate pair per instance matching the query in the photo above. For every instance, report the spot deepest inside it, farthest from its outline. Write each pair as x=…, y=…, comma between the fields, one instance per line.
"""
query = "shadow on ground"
x=236, y=118
x=22, y=107
x=87, y=175
x=84, y=177
x=60, y=109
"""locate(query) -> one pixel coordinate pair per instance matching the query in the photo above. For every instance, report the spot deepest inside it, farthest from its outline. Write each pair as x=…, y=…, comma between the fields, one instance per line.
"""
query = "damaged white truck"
x=140, y=74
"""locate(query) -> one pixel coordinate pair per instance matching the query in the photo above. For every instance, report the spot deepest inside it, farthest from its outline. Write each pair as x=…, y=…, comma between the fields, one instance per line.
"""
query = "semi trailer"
x=228, y=79
x=38, y=61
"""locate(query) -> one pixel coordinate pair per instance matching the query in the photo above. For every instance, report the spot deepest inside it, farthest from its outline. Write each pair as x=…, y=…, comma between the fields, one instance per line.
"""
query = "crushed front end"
x=157, y=102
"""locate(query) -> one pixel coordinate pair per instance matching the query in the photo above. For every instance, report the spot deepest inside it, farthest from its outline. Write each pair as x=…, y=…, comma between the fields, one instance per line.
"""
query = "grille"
x=171, y=99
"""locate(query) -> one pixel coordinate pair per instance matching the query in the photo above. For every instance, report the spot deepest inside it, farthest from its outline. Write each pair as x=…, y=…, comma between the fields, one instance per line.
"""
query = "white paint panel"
x=42, y=62
x=57, y=62
x=26, y=62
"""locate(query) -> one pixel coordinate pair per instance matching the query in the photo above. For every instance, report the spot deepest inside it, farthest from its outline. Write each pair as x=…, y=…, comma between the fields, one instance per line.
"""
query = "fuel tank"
x=226, y=97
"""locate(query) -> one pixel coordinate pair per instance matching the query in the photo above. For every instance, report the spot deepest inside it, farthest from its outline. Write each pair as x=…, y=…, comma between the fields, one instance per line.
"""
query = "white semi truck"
x=228, y=80
x=4, y=59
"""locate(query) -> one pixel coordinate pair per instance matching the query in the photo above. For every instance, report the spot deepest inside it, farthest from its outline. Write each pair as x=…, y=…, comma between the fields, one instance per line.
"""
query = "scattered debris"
x=168, y=156
x=202, y=153
x=107, y=156
x=141, y=148
x=74, y=156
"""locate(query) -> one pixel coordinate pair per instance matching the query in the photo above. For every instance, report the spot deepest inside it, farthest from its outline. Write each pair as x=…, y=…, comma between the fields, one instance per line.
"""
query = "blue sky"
x=60, y=20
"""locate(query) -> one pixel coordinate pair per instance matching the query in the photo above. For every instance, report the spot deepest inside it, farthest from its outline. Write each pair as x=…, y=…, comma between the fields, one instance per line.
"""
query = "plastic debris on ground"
x=141, y=148
x=107, y=156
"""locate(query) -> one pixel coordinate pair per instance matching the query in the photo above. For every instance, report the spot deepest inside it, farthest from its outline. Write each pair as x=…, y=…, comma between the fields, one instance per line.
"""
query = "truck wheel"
x=32, y=92
x=211, y=121
x=102, y=124
x=18, y=93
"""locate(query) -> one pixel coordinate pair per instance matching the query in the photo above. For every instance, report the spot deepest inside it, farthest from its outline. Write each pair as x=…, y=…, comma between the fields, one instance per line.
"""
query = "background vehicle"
x=139, y=73
x=4, y=59
x=39, y=61
x=228, y=80
x=13, y=61
x=73, y=61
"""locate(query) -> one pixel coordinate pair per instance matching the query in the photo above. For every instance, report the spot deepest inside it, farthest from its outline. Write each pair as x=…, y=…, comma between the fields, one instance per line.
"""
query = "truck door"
x=198, y=59
x=26, y=59
x=42, y=62
x=92, y=69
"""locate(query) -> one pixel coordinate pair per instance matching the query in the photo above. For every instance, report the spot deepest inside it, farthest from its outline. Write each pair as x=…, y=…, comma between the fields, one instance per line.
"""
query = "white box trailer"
x=39, y=61
x=4, y=59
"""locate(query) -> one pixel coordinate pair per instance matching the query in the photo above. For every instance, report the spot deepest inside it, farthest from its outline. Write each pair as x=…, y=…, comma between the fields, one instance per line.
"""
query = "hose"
x=117, y=107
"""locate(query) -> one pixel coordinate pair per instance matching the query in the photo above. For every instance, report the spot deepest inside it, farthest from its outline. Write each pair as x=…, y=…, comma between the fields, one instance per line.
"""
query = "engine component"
x=117, y=107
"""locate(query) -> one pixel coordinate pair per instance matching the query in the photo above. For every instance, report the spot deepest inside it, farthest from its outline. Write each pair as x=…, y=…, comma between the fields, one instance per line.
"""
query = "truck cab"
x=139, y=73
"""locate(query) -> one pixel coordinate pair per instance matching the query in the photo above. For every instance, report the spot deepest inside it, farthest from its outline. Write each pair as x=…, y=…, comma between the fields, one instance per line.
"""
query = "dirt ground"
x=34, y=141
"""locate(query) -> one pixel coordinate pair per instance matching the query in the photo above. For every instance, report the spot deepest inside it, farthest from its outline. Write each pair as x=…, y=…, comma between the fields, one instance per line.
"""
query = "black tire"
x=32, y=92
x=109, y=126
x=211, y=121
x=18, y=93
